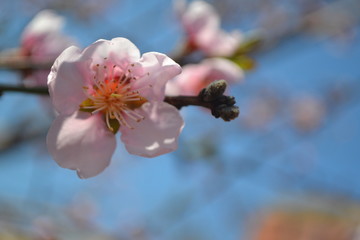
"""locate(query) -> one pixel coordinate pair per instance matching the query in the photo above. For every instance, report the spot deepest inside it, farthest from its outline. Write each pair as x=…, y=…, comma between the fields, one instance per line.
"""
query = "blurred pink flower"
x=308, y=113
x=42, y=40
x=202, y=26
x=105, y=88
x=195, y=77
x=262, y=109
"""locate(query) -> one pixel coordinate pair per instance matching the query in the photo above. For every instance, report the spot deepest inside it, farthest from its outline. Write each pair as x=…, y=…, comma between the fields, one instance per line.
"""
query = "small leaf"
x=244, y=62
x=250, y=44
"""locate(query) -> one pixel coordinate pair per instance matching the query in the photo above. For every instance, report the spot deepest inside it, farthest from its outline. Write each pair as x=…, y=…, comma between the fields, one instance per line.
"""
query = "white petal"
x=65, y=82
x=81, y=142
x=119, y=51
x=44, y=22
x=221, y=68
x=155, y=135
x=157, y=69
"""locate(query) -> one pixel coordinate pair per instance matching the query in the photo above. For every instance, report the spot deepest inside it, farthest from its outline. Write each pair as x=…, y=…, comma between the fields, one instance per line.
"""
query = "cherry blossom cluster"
x=109, y=87
x=43, y=40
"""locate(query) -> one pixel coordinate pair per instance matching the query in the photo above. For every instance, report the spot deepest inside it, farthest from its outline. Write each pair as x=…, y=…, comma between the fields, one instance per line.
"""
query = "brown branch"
x=184, y=101
x=17, y=62
x=211, y=97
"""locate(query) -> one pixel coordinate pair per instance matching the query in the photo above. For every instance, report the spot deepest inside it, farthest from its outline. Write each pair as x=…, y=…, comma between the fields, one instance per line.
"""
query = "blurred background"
x=286, y=169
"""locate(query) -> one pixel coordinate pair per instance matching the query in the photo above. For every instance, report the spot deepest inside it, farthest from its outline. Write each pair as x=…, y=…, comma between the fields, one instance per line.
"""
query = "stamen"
x=134, y=115
x=99, y=109
x=122, y=120
x=87, y=107
x=133, y=99
x=116, y=95
x=113, y=95
x=108, y=122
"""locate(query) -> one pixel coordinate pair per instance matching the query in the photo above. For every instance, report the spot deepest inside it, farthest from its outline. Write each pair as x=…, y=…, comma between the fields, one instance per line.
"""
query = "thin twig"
x=183, y=101
x=15, y=62
x=211, y=97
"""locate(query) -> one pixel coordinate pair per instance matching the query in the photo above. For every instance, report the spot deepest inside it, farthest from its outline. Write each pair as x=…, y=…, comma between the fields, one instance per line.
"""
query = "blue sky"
x=207, y=195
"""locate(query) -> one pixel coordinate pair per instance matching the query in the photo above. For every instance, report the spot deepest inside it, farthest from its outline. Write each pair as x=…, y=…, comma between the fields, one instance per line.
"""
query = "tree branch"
x=184, y=101
x=211, y=97
x=17, y=62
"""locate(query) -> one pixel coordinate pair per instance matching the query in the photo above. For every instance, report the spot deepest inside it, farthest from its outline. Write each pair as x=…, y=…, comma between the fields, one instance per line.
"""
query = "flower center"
x=113, y=95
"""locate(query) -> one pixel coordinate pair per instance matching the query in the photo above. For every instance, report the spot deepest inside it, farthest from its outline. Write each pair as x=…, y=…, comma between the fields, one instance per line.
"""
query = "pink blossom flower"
x=202, y=26
x=308, y=113
x=42, y=40
x=261, y=109
x=105, y=88
x=195, y=77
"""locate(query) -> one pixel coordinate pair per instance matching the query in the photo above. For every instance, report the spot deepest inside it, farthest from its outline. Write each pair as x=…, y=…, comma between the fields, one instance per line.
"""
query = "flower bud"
x=213, y=91
x=227, y=113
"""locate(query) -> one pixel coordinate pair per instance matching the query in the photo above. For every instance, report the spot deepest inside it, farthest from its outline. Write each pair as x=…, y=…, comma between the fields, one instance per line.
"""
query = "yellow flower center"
x=114, y=97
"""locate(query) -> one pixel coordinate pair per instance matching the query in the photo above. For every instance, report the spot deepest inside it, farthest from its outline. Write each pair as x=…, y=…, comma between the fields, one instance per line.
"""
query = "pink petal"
x=119, y=51
x=200, y=18
x=222, y=43
x=43, y=23
x=155, y=135
x=189, y=82
x=65, y=82
x=202, y=25
x=221, y=68
x=43, y=39
x=197, y=76
x=81, y=142
x=52, y=46
x=156, y=69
